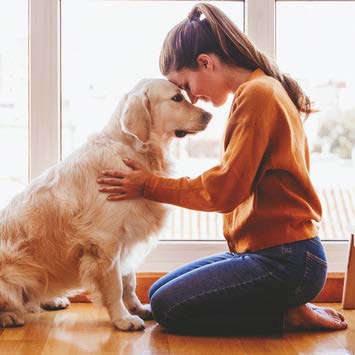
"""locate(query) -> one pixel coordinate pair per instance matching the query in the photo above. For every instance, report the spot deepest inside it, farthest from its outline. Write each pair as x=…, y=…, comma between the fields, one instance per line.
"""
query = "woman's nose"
x=192, y=98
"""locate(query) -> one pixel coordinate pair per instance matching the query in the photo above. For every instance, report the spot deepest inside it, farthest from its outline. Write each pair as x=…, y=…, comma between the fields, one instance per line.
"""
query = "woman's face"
x=204, y=83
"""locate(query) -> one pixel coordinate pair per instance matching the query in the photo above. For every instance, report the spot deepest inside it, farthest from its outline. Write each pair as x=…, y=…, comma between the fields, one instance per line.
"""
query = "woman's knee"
x=151, y=292
x=156, y=286
x=160, y=306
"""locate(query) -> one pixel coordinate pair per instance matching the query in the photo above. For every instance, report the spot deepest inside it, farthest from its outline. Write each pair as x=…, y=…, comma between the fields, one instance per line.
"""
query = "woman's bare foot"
x=309, y=316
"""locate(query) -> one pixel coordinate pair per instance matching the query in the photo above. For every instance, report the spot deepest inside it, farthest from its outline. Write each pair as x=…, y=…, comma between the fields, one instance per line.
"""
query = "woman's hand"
x=124, y=185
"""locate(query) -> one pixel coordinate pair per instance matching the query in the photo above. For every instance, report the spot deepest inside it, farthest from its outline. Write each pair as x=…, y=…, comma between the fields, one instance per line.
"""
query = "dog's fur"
x=61, y=234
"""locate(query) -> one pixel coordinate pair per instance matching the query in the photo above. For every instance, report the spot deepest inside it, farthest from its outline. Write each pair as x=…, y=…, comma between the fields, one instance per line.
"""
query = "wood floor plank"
x=9, y=347
x=280, y=346
x=254, y=345
x=85, y=328
x=30, y=347
x=194, y=345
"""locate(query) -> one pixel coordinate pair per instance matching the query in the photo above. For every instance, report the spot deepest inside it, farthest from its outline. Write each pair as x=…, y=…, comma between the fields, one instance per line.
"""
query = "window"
x=99, y=90
x=107, y=47
x=314, y=44
x=13, y=98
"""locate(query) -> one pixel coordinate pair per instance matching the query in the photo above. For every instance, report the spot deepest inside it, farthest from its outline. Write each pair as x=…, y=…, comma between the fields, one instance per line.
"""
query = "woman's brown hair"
x=216, y=33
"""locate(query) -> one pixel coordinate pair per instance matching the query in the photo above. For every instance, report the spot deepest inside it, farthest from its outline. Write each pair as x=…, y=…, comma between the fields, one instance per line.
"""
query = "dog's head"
x=158, y=107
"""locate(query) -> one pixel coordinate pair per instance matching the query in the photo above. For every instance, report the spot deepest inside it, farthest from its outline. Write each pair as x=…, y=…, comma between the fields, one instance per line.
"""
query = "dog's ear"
x=136, y=117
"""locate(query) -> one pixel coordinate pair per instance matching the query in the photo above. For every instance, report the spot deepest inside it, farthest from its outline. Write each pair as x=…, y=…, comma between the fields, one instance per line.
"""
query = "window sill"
x=332, y=291
x=168, y=255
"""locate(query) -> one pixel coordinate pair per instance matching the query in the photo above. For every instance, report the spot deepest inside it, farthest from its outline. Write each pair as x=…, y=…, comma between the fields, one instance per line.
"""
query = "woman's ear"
x=204, y=61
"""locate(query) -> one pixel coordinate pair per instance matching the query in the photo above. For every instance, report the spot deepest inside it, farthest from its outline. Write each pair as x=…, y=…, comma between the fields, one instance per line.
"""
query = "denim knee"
x=160, y=307
x=150, y=293
x=156, y=285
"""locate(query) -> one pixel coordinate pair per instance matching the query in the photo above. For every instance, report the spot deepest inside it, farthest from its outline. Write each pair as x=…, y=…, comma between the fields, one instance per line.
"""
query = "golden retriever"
x=60, y=234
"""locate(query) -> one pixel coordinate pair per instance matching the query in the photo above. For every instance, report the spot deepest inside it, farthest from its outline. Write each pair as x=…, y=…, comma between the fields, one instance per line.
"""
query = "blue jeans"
x=233, y=292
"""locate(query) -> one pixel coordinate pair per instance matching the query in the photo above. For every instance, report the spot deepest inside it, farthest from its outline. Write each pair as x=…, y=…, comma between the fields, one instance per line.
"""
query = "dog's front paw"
x=144, y=311
x=56, y=304
x=11, y=319
x=130, y=323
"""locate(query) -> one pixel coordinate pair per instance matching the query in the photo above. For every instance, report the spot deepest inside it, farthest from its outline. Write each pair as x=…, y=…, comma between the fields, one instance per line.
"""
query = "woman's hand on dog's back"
x=124, y=185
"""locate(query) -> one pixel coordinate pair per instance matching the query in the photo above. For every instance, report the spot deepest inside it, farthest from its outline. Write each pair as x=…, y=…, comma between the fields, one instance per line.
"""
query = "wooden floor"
x=86, y=329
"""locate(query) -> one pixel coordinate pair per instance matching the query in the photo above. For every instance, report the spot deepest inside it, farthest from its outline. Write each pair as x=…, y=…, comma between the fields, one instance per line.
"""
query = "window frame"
x=44, y=82
x=45, y=117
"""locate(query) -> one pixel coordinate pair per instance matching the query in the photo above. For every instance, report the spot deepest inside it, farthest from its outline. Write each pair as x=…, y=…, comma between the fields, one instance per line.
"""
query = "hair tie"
x=194, y=14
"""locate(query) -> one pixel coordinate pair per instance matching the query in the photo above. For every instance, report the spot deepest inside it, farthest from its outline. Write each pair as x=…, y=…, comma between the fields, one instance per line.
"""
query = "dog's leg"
x=10, y=316
x=111, y=291
x=104, y=280
x=31, y=304
x=22, y=280
x=131, y=300
x=56, y=304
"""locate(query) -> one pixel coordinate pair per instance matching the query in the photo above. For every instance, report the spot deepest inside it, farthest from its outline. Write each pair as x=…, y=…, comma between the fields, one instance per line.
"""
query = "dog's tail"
x=21, y=278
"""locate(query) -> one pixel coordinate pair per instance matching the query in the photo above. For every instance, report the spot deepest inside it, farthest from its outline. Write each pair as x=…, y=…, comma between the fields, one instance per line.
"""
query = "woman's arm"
x=222, y=187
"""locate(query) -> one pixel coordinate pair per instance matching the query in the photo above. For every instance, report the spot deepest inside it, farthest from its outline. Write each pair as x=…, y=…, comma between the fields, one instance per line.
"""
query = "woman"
x=276, y=263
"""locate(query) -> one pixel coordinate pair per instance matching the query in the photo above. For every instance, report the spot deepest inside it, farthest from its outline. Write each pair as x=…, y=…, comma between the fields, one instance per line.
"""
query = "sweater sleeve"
x=223, y=187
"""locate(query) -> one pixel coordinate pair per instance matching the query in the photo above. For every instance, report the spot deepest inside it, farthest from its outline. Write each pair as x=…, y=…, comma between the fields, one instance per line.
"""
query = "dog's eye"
x=177, y=98
x=180, y=133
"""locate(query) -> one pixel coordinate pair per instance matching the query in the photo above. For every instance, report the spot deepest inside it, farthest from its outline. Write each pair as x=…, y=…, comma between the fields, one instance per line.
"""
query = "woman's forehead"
x=178, y=77
x=175, y=76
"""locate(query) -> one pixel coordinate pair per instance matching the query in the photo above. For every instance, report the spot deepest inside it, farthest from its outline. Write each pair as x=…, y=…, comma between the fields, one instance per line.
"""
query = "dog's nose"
x=206, y=117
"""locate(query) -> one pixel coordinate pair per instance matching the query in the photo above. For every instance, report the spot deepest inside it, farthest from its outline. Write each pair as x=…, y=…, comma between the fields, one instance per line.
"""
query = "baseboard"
x=332, y=291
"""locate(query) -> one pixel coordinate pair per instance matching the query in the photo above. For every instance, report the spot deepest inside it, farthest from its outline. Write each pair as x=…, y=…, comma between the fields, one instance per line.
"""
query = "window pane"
x=13, y=98
x=107, y=47
x=315, y=44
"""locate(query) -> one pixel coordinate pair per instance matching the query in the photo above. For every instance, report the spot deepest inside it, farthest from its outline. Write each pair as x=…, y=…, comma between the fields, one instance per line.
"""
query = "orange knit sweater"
x=262, y=185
